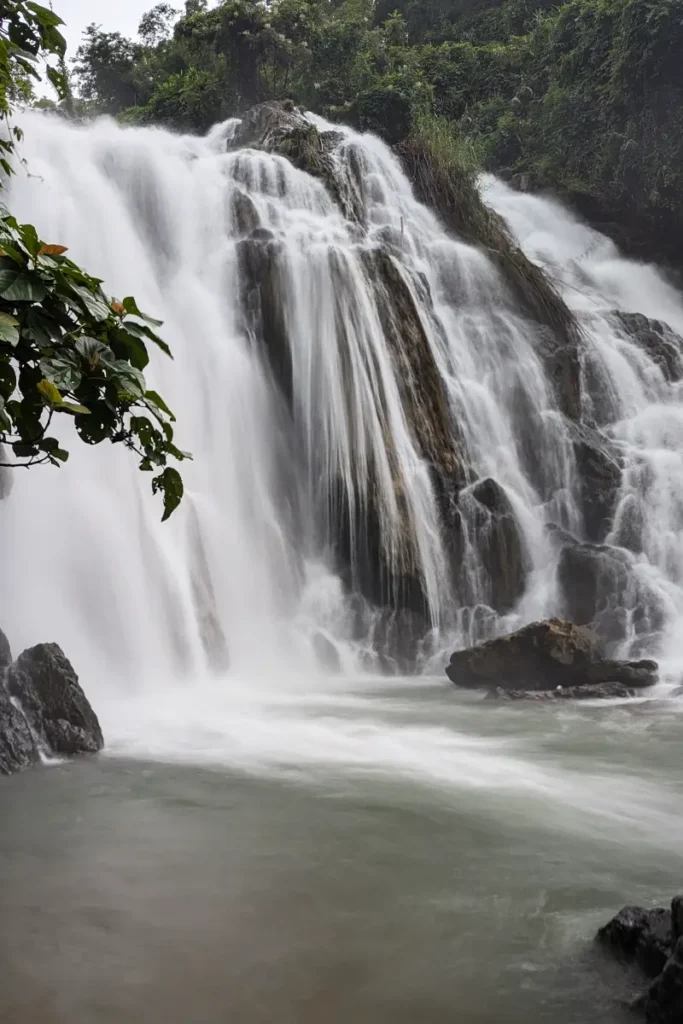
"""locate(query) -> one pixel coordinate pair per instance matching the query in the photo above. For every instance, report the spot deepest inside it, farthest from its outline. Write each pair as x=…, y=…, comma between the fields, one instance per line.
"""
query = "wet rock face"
x=599, y=465
x=592, y=691
x=543, y=656
x=601, y=589
x=17, y=747
x=496, y=535
x=5, y=651
x=640, y=936
x=280, y=128
x=653, y=940
x=663, y=345
x=44, y=682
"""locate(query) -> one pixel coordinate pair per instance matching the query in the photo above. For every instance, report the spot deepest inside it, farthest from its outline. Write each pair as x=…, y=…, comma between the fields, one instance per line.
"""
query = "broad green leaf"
x=94, y=351
x=155, y=399
x=21, y=287
x=94, y=303
x=46, y=17
x=62, y=373
x=73, y=408
x=9, y=329
x=8, y=380
x=131, y=306
x=171, y=483
x=51, y=392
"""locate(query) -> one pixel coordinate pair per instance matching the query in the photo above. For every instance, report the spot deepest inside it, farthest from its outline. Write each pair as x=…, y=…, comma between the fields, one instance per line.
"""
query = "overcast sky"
x=114, y=15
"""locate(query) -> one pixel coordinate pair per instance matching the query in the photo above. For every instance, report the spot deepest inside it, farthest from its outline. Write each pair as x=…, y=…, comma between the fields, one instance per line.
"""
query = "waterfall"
x=371, y=415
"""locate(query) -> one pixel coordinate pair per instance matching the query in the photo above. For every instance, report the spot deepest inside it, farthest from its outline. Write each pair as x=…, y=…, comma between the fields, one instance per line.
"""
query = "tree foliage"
x=586, y=97
x=65, y=348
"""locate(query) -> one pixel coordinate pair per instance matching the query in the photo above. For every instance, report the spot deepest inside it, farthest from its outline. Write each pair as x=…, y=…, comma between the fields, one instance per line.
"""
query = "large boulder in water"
x=663, y=1002
x=46, y=686
x=543, y=656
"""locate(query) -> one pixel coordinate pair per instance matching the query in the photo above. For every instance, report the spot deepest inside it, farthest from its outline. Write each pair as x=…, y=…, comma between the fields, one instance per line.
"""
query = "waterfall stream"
x=311, y=431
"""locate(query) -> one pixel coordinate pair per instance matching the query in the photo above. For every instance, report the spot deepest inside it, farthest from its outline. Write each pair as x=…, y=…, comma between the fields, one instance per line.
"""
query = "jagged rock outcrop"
x=656, y=338
x=652, y=939
x=278, y=127
x=5, y=652
x=17, y=746
x=46, y=687
x=543, y=656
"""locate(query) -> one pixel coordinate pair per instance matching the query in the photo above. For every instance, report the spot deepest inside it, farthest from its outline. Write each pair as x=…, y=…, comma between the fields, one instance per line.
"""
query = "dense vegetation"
x=65, y=348
x=586, y=98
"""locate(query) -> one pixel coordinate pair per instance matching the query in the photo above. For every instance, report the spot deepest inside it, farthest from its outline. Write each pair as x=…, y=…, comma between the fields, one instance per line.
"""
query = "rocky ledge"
x=43, y=709
x=548, y=660
x=652, y=940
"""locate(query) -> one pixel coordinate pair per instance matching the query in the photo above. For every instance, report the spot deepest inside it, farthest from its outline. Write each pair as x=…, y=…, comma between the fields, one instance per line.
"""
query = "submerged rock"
x=543, y=656
x=44, y=682
x=591, y=691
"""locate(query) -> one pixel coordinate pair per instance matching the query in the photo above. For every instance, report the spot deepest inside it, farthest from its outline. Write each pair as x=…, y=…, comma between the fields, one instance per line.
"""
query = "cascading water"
x=307, y=419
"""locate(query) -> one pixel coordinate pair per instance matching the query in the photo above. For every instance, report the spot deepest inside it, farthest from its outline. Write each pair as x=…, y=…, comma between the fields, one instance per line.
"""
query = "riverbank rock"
x=543, y=656
x=653, y=940
x=46, y=686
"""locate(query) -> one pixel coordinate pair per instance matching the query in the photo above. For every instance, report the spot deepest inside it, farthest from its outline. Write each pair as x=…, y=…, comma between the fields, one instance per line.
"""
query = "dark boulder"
x=494, y=533
x=640, y=936
x=17, y=747
x=663, y=1002
x=47, y=688
x=655, y=338
x=652, y=939
x=592, y=691
x=543, y=656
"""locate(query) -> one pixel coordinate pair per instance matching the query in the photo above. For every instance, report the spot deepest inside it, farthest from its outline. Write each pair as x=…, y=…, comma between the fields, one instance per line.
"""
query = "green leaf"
x=153, y=398
x=8, y=328
x=171, y=484
x=95, y=303
x=16, y=286
x=73, y=408
x=46, y=17
x=49, y=391
x=131, y=307
x=62, y=373
x=93, y=351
